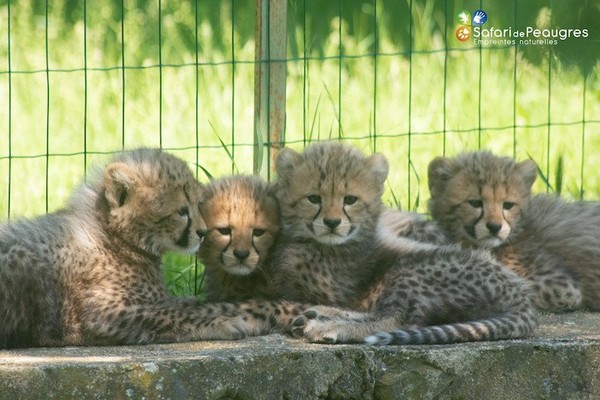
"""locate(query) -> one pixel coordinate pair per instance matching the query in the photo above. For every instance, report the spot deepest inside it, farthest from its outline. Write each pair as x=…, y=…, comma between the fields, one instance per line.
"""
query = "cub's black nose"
x=241, y=254
x=332, y=223
x=493, y=228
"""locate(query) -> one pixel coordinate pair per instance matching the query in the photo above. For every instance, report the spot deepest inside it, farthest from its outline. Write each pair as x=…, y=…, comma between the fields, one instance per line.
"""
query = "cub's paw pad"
x=311, y=314
x=297, y=329
x=299, y=321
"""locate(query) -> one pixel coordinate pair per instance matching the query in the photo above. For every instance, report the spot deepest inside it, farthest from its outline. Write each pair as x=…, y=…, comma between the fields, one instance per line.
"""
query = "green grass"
x=410, y=108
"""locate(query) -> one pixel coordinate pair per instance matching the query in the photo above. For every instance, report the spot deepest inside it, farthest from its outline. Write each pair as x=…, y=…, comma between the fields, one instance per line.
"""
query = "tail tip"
x=379, y=339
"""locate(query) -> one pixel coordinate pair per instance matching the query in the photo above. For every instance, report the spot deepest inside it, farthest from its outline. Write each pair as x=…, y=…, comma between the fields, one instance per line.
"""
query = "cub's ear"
x=205, y=194
x=528, y=170
x=439, y=172
x=195, y=190
x=119, y=180
x=378, y=164
x=286, y=160
x=271, y=205
x=272, y=188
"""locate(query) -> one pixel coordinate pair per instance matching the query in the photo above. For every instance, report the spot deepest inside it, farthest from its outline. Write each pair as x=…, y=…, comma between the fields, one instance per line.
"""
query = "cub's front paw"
x=316, y=331
x=558, y=298
x=327, y=313
x=229, y=328
x=319, y=312
x=298, y=325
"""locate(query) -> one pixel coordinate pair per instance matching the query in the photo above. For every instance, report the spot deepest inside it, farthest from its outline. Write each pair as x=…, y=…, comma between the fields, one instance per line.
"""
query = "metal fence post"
x=269, y=83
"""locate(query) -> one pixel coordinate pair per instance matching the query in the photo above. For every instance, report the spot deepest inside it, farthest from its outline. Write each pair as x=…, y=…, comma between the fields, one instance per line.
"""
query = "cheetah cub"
x=330, y=199
x=89, y=274
x=483, y=201
x=242, y=220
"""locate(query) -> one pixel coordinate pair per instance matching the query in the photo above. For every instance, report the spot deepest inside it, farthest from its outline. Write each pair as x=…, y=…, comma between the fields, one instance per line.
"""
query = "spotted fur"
x=89, y=274
x=329, y=254
x=484, y=201
x=405, y=231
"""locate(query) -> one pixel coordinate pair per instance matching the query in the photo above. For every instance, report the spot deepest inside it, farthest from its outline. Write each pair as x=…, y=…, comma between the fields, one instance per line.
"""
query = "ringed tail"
x=496, y=328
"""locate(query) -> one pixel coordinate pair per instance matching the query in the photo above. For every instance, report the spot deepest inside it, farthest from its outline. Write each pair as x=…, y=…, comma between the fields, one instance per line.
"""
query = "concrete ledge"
x=562, y=361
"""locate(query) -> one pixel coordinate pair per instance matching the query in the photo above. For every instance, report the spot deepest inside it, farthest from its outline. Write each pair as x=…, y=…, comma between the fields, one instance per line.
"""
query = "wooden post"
x=269, y=83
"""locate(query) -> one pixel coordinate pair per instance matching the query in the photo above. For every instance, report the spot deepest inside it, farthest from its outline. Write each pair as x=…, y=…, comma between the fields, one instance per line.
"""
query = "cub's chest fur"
x=320, y=275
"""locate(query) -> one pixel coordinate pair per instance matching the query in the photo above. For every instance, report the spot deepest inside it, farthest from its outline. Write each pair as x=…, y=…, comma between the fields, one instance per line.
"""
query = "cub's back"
x=31, y=252
x=569, y=233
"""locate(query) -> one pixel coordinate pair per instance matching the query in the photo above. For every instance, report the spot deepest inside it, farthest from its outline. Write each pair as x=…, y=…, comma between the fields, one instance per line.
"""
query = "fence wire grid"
x=81, y=80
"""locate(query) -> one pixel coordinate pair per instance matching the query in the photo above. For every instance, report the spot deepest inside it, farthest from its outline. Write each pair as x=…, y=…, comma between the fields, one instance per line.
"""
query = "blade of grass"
x=543, y=176
x=224, y=147
x=558, y=181
x=335, y=112
x=417, y=202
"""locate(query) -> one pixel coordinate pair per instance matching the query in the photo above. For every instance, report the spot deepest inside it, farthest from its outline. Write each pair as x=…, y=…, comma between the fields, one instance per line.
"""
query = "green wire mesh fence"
x=80, y=80
x=83, y=79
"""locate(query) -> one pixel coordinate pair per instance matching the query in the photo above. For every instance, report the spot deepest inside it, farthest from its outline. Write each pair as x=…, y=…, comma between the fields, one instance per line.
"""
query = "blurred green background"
x=81, y=79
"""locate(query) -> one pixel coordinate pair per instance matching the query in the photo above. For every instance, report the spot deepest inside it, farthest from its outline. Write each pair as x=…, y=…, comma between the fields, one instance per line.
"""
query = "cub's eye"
x=349, y=200
x=314, y=198
x=475, y=203
x=224, y=231
x=507, y=205
x=183, y=212
x=258, y=232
